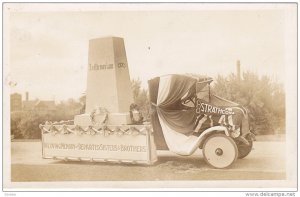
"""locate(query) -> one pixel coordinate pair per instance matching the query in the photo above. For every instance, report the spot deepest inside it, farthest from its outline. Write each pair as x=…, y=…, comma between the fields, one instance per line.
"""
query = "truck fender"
x=210, y=131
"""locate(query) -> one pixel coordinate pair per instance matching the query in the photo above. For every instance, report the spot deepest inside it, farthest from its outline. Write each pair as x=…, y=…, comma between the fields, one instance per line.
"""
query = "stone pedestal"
x=85, y=120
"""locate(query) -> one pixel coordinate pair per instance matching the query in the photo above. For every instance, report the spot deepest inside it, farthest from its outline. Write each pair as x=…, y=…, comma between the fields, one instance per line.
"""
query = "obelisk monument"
x=108, y=81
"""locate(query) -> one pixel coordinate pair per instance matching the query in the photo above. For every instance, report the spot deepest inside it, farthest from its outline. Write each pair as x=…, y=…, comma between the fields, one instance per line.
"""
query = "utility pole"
x=238, y=69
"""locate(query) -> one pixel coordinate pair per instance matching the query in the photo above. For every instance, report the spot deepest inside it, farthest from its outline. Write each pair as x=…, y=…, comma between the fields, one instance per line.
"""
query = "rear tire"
x=220, y=151
x=243, y=148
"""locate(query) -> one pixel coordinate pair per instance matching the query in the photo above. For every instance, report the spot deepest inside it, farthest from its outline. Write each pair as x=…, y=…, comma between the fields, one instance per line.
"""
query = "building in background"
x=38, y=105
x=15, y=102
x=27, y=104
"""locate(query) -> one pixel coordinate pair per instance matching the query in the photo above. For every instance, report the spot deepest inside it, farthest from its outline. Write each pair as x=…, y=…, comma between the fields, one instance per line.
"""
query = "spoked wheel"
x=243, y=148
x=220, y=151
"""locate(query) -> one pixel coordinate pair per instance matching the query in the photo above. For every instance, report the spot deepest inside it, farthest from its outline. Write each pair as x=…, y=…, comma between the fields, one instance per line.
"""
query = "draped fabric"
x=159, y=138
x=180, y=120
x=171, y=90
x=177, y=123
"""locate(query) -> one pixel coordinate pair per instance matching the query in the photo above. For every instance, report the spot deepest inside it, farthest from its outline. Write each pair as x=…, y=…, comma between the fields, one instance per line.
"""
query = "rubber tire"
x=228, y=141
x=243, y=149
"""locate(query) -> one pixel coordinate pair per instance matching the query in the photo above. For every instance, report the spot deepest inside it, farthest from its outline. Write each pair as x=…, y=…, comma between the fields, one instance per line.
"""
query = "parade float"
x=185, y=116
x=108, y=130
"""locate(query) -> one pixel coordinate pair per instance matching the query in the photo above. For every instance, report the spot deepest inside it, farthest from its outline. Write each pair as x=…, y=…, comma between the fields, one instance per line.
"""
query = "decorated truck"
x=185, y=116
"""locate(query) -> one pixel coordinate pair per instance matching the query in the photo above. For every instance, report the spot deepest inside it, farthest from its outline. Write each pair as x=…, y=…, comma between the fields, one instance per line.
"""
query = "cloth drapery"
x=177, y=123
x=171, y=89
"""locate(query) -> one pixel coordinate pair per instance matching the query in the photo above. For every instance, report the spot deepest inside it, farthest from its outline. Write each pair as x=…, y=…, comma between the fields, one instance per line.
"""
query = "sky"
x=48, y=50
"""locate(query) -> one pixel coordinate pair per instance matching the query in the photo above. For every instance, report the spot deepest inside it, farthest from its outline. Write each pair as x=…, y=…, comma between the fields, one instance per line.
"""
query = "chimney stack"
x=27, y=96
x=238, y=69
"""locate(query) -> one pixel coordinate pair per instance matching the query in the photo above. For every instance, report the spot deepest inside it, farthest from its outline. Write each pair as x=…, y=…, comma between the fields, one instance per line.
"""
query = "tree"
x=136, y=88
x=141, y=98
x=25, y=124
x=15, y=119
x=264, y=98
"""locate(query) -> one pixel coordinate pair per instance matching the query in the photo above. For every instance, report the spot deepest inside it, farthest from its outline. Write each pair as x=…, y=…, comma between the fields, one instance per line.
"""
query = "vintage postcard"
x=150, y=96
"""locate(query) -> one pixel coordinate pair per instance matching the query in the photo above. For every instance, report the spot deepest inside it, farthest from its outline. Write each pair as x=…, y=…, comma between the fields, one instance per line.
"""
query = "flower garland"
x=90, y=130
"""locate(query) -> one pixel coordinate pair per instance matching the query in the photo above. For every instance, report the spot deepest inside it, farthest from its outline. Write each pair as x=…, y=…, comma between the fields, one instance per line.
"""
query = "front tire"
x=220, y=151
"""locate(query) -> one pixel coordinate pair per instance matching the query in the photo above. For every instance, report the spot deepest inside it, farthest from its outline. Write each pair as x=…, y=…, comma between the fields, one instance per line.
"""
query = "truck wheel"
x=220, y=151
x=243, y=148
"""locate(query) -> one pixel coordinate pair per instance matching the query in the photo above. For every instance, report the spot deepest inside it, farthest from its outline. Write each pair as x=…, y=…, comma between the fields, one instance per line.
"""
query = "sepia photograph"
x=150, y=96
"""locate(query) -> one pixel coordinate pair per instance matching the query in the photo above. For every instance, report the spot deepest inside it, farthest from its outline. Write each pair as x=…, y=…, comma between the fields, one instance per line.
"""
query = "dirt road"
x=265, y=162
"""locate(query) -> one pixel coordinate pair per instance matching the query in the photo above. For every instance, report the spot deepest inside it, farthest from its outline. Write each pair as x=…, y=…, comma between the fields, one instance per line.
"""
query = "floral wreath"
x=99, y=110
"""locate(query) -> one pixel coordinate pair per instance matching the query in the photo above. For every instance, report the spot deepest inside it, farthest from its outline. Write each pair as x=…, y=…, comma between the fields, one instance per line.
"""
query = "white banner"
x=119, y=148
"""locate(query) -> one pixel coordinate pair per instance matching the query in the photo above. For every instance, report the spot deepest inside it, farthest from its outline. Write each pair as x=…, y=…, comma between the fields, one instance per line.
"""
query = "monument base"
x=119, y=143
x=119, y=118
x=85, y=120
